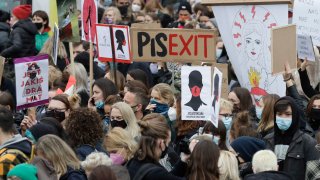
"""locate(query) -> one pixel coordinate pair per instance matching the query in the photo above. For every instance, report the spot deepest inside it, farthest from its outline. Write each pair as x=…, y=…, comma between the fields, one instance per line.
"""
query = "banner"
x=216, y=96
x=50, y=7
x=245, y=30
x=31, y=81
x=184, y=45
x=68, y=20
x=306, y=15
x=89, y=17
x=305, y=47
x=195, y=93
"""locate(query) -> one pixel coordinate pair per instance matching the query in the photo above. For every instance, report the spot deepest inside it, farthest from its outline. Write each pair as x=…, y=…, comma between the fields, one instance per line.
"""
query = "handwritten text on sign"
x=306, y=15
x=173, y=45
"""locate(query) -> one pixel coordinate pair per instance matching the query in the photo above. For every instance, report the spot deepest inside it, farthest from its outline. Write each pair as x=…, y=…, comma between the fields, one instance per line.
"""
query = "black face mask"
x=33, y=75
x=122, y=124
x=123, y=10
x=163, y=154
x=315, y=114
x=39, y=25
x=60, y=116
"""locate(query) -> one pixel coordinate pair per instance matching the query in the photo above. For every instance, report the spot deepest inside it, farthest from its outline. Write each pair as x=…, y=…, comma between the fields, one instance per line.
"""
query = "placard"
x=195, y=92
x=305, y=47
x=146, y=25
x=245, y=31
x=68, y=20
x=55, y=43
x=121, y=42
x=184, y=45
x=104, y=43
x=31, y=81
x=89, y=17
x=216, y=96
x=306, y=15
x=283, y=48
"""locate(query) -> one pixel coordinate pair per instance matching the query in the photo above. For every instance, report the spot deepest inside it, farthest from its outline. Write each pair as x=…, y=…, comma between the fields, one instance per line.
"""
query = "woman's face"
x=97, y=94
x=108, y=15
x=253, y=45
x=286, y=114
x=234, y=99
x=58, y=106
x=136, y=2
x=148, y=19
x=116, y=115
x=156, y=95
x=316, y=104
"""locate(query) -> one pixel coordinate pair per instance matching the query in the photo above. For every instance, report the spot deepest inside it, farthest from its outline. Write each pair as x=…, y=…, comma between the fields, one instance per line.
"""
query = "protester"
x=84, y=58
x=219, y=134
x=102, y=172
x=228, y=166
x=119, y=81
x=111, y=16
x=137, y=74
x=24, y=172
x=121, y=172
x=242, y=126
x=242, y=101
x=59, y=108
x=41, y=20
x=4, y=29
x=94, y=160
x=313, y=112
x=184, y=13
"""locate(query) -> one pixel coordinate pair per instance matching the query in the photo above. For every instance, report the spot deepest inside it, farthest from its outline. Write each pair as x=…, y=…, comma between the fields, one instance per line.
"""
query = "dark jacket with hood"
x=4, y=35
x=269, y=175
x=301, y=145
x=73, y=174
x=22, y=40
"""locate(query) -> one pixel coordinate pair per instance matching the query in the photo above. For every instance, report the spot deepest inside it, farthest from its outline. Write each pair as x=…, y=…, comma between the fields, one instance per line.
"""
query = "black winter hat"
x=247, y=146
x=4, y=16
x=184, y=5
x=42, y=129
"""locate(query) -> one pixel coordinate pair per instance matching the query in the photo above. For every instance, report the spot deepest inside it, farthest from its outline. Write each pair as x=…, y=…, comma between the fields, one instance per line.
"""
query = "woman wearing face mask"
x=85, y=132
x=59, y=108
x=293, y=147
x=219, y=135
x=121, y=115
x=313, y=112
x=120, y=145
x=154, y=142
x=101, y=88
x=136, y=7
x=41, y=20
x=265, y=114
x=111, y=15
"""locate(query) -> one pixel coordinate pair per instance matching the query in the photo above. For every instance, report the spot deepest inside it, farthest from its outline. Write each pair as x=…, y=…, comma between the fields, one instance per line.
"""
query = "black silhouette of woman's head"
x=121, y=40
x=195, y=83
x=216, y=85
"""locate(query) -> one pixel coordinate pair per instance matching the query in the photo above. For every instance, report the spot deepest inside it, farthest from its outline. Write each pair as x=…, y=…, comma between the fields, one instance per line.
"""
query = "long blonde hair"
x=228, y=166
x=48, y=48
x=117, y=139
x=128, y=115
x=56, y=151
x=116, y=13
x=81, y=76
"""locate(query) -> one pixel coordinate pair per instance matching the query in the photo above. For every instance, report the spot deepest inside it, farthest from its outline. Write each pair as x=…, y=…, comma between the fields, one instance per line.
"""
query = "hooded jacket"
x=301, y=145
x=10, y=159
x=4, y=35
x=22, y=40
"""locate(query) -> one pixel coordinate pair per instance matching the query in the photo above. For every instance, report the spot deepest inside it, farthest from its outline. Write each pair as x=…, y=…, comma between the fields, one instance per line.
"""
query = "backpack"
x=144, y=170
x=22, y=158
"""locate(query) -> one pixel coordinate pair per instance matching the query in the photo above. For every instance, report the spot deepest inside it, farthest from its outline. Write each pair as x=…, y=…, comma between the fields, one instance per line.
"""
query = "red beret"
x=22, y=11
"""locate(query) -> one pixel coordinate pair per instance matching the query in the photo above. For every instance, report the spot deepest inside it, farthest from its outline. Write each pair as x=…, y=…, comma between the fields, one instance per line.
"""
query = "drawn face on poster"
x=249, y=44
x=195, y=93
x=121, y=43
x=89, y=19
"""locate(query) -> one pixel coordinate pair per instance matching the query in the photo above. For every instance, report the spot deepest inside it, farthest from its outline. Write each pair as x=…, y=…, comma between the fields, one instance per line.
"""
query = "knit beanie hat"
x=42, y=129
x=22, y=11
x=24, y=172
x=184, y=5
x=247, y=146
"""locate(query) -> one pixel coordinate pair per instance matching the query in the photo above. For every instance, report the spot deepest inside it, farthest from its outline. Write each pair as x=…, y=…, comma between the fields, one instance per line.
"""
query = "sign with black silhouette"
x=68, y=20
x=104, y=43
x=89, y=17
x=32, y=81
x=196, y=92
x=121, y=44
x=184, y=45
x=216, y=95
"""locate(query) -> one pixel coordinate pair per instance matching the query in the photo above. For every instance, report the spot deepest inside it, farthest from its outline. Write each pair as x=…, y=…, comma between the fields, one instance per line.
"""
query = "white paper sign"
x=104, y=43
x=216, y=95
x=196, y=92
x=305, y=48
x=245, y=31
x=306, y=15
x=89, y=17
x=32, y=81
x=121, y=40
x=55, y=43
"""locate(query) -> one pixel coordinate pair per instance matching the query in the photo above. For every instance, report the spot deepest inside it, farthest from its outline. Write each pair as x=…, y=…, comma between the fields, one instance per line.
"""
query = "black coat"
x=301, y=149
x=22, y=40
x=4, y=35
x=269, y=175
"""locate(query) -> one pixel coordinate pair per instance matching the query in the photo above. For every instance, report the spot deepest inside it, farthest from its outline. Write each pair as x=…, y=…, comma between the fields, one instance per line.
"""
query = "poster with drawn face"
x=195, y=92
x=216, y=95
x=104, y=43
x=121, y=41
x=245, y=30
x=31, y=81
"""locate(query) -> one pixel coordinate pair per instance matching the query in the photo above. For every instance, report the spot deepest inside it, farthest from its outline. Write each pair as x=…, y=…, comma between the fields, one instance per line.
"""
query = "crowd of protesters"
x=131, y=125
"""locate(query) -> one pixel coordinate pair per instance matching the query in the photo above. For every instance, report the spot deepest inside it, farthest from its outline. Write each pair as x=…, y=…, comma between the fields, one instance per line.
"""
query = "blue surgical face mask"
x=259, y=112
x=216, y=139
x=227, y=121
x=283, y=123
x=99, y=104
x=160, y=108
x=218, y=52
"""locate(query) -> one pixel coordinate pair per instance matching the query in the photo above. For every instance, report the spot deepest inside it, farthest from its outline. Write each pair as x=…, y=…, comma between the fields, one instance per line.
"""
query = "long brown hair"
x=242, y=125
x=245, y=98
x=267, y=116
x=203, y=163
x=310, y=104
x=209, y=128
x=153, y=127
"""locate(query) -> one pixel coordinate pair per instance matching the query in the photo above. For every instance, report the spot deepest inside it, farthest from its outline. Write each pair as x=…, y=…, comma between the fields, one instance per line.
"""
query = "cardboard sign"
x=184, y=45
x=245, y=31
x=216, y=96
x=305, y=48
x=306, y=15
x=89, y=17
x=195, y=92
x=68, y=20
x=55, y=43
x=31, y=81
x=2, y=61
x=104, y=43
x=283, y=48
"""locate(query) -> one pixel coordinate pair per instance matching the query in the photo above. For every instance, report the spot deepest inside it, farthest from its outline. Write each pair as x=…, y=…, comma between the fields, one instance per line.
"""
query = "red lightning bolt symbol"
x=236, y=35
x=266, y=16
x=272, y=24
x=242, y=17
x=253, y=11
x=237, y=24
